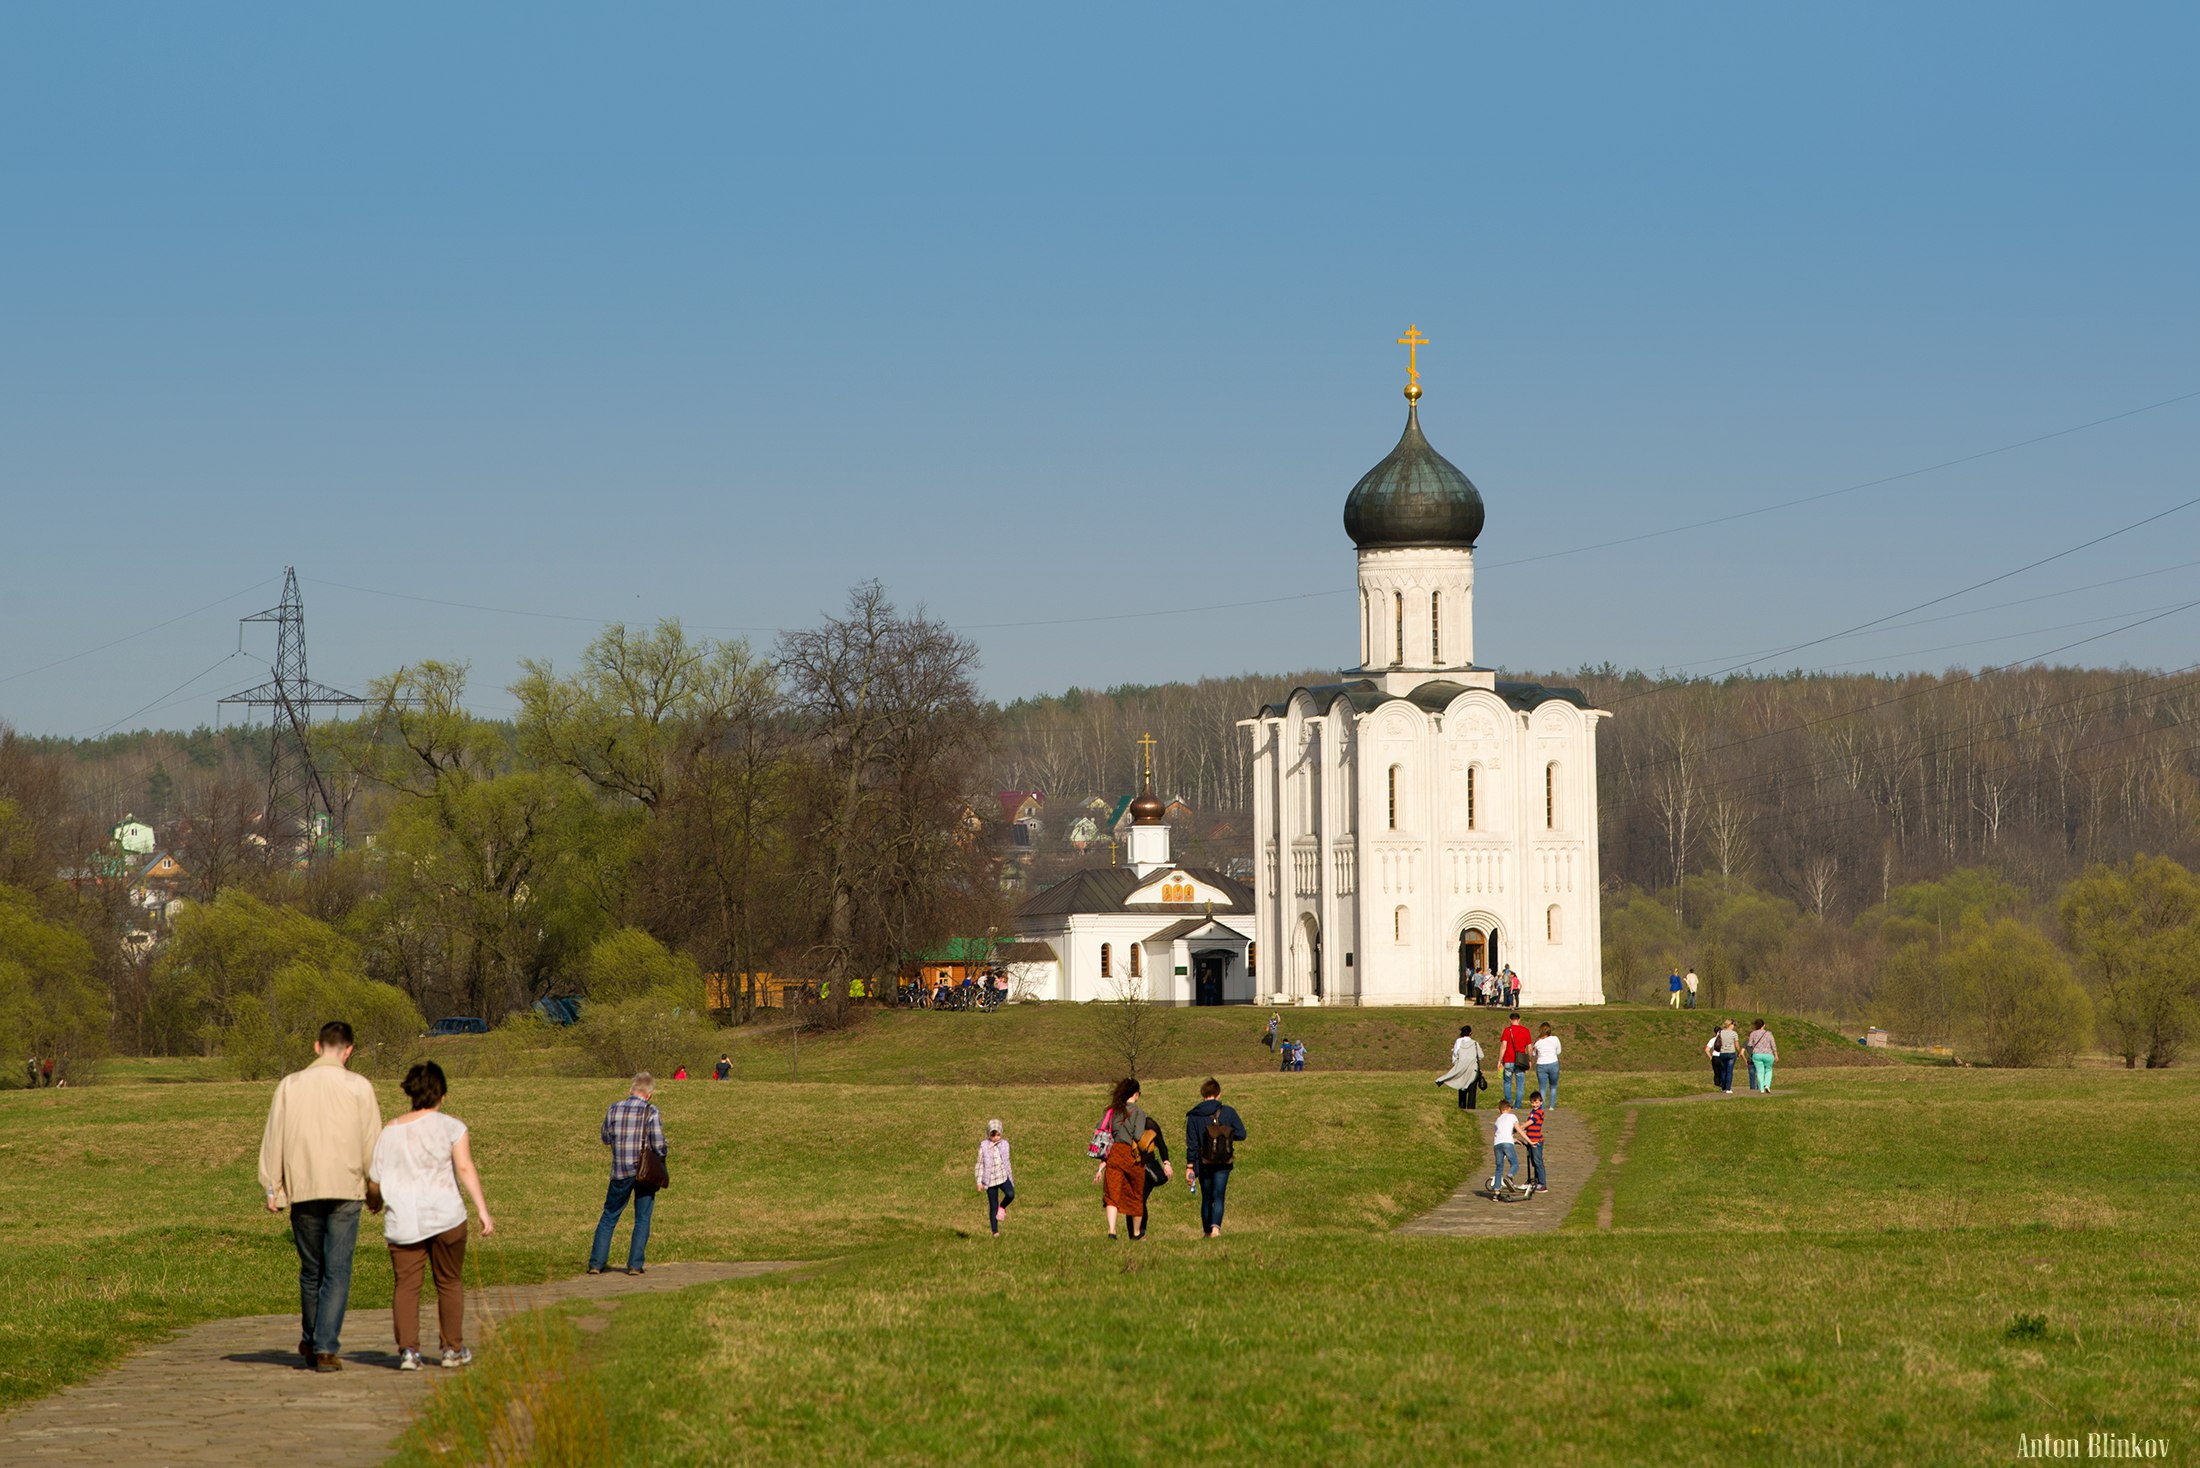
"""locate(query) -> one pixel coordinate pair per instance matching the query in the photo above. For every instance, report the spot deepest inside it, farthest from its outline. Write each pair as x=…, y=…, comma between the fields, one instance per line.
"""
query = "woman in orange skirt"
x=1122, y=1173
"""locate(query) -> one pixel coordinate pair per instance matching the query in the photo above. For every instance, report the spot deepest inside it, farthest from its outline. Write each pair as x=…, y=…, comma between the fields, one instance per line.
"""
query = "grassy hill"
x=1057, y=1044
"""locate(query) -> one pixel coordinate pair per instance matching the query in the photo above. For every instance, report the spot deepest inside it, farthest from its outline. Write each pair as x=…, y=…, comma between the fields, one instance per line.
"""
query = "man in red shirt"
x=1513, y=1058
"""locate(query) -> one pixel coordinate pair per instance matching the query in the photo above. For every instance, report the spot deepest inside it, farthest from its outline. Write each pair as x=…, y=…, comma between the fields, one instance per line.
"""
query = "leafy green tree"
x=2136, y=931
x=51, y=1001
x=492, y=874
x=255, y=982
x=2015, y=988
x=1643, y=942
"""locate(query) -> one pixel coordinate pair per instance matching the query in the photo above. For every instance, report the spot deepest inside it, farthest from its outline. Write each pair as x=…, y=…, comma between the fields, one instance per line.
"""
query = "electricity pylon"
x=300, y=817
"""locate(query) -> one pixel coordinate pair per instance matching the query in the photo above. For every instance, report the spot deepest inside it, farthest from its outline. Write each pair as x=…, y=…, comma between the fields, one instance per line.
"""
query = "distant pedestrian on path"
x=1122, y=1175
x=30, y=1069
x=1512, y=1059
x=1504, y=1149
x=1465, y=1075
x=996, y=1176
x=1723, y=1046
x=1673, y=989
x=421, y=1161
x=314, y=1155
x=627, y=1126
x=1545, y=1050
x=1211, y=1134
x=1688, y=989
x=1268, y=1036
x=722, y=1069
x=1763, y=1050
x=1531, y=1136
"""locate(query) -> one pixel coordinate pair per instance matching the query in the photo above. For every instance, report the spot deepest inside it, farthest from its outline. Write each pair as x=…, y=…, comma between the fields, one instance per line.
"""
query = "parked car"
x=459, y=1024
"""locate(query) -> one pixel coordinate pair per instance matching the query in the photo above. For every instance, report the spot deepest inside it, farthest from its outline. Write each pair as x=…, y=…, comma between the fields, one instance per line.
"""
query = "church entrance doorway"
x=1209, y=967
x=1477, y=953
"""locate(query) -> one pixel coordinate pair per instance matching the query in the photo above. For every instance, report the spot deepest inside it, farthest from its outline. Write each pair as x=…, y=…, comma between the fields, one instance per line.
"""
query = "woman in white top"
x=419, y=1163
x=1546, y=1068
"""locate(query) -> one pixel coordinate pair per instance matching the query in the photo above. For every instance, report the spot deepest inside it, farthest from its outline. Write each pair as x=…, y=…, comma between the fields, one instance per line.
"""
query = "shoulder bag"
x=649, y=1169
x=1102, y=1136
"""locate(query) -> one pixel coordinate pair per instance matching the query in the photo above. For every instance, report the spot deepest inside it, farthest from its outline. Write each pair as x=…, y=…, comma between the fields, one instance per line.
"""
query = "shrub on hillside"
x=630, y=963
x=271, y=1032
x=653, y=1031
x=51, y=1002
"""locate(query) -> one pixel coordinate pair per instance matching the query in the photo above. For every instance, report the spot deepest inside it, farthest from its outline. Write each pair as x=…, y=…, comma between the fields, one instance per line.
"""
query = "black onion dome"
x=1415, y=496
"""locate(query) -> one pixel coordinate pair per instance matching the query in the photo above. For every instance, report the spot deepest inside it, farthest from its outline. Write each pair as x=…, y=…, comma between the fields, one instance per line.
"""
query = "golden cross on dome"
x=1146, y=742
x=1413, y=341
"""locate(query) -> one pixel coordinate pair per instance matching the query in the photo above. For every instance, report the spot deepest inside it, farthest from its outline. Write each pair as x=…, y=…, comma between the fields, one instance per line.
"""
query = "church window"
x=1107, y=969
x=1398, y=628
x=1398, y=925
x=1367, y=633
x=1252, y=951
x=1550, y=923
x=1472, y=770
x=1436, y=627
x=1138, y=968
x=1550, y=796
x=1393, y=797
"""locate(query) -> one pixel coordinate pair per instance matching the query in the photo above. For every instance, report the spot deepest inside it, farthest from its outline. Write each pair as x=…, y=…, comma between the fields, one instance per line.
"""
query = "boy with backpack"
x=1211, y=1134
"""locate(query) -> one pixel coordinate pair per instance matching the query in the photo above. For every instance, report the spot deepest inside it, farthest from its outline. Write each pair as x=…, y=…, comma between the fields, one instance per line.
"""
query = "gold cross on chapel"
x=1146, y=742
x=1413, y=341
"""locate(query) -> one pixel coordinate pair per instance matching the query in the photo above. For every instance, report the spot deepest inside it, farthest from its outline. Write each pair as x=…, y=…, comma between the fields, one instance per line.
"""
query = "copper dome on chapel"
x=1414, y=497
x=1147, y=809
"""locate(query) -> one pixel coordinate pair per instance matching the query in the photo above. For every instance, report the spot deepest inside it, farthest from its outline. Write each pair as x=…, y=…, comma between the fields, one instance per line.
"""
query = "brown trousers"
x=446, y=1253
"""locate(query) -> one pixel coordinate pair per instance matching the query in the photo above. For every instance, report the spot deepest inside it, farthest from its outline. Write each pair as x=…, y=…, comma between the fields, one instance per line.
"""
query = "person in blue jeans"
x=626, y=1126
x=321, y=1128
x=1211, y=1134
x=1545, y=1050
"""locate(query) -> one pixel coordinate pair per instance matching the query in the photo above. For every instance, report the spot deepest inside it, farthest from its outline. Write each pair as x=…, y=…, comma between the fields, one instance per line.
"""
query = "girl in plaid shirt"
x=996, y=1175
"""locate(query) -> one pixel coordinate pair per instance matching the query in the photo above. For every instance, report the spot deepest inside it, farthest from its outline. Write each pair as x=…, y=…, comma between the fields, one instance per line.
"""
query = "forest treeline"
x=826, y=806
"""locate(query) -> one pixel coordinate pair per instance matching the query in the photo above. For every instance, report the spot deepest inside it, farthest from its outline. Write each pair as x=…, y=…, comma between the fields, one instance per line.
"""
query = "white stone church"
x=1422, y=817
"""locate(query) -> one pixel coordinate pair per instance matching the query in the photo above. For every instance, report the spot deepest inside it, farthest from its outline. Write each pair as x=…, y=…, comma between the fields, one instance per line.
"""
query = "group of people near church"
x=1517, y=1136
x=1499, y=990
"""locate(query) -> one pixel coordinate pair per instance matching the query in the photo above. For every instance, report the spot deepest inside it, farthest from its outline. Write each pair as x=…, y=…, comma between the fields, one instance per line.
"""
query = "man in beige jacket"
x=320, y=1138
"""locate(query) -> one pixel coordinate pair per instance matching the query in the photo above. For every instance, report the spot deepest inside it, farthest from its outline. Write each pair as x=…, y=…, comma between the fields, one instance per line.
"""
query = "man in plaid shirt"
x=626, y=1125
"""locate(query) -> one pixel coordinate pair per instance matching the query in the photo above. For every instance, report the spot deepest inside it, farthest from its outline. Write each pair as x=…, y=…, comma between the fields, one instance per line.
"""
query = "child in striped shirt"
x=1531, y=1132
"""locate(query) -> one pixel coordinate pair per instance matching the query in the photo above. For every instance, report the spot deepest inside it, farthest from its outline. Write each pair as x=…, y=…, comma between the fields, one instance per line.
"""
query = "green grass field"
x=1883, y=1263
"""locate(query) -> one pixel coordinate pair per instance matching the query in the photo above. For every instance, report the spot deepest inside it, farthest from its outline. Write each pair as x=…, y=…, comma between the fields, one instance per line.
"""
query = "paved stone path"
x=231, y=1392
x=1569, y=1156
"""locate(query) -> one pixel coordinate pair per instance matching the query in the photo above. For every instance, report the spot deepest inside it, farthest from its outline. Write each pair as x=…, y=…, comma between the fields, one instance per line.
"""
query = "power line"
x=131, y=636
x=186, y=683
x=1946, y=597
x=1852, y=488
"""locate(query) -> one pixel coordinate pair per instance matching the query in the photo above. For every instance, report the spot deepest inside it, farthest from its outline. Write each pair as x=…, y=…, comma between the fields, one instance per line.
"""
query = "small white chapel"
x=1152, y=928
x=1422, y=818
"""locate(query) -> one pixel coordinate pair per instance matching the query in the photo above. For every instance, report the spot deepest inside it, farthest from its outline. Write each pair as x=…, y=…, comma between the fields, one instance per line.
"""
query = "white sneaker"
x=460, y=1357
x=408, y=1360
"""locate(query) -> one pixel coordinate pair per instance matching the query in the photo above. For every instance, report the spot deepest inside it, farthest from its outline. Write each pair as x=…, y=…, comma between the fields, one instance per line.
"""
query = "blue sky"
x=1046, y=313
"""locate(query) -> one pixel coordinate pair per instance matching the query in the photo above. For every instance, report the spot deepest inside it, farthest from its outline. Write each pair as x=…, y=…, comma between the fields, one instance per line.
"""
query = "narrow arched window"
x=1252, y=951
x=1107, y=969
x=1393, y=797
x=1398, y=628
x=1471, y=771
x=1436, y=628
x=1138, y=966
x=1398, y=925
x=1367, y=634
x=1550, y=923
x=1550, y=796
